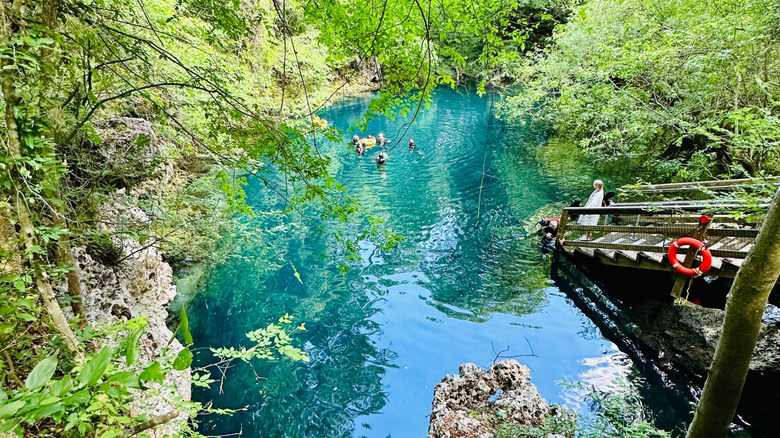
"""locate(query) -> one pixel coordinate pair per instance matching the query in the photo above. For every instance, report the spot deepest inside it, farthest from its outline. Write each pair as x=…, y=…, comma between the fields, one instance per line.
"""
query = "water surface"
x=467, y=285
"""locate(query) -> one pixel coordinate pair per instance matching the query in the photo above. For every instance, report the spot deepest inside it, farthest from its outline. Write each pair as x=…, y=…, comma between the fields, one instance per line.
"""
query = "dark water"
x=467, y=284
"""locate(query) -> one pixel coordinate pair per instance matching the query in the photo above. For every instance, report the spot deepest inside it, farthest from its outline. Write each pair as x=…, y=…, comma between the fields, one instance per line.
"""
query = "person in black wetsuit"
x=548, y=227
x=412, y=146
x=548, y=243
x=381, y=159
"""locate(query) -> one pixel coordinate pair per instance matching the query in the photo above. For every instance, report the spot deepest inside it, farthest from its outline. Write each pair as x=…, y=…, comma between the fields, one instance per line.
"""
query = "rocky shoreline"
x=475, y=403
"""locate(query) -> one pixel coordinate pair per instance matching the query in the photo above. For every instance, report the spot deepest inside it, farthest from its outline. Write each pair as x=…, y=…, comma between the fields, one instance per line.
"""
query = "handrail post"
x=679, y=282
x=559, y=237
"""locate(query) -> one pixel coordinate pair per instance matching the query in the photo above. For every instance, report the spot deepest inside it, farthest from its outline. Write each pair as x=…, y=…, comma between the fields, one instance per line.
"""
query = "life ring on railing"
x=706, y=261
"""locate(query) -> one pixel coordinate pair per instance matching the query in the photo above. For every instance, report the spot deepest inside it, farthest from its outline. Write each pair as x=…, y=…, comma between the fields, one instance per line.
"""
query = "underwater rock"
x=474, y=403
x=688, y=335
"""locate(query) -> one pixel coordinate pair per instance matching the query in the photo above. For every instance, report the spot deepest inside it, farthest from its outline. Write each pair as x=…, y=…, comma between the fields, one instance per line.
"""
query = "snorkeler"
x=381, y=140
x=381, y=158
x=412, y=146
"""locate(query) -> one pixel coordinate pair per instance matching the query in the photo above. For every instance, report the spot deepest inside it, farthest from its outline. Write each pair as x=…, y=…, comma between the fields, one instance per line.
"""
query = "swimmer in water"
x=381, y=140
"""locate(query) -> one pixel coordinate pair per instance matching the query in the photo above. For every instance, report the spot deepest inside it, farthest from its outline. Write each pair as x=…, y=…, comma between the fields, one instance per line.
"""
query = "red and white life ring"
x=706, y=261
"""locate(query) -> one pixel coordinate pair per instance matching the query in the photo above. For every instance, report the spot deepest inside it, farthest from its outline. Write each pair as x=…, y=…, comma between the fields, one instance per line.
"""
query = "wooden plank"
x=606, y=253
x=668, y=230
x=631, y=255
x=562, y=228
x=661, y=264
x=645, y=248
x=649, y=211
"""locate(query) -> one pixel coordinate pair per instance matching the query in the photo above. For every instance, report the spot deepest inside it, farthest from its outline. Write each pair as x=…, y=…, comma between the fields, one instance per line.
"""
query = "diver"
x=381, y=158
x=356, y=140
x=412, y=146
x=360, y=149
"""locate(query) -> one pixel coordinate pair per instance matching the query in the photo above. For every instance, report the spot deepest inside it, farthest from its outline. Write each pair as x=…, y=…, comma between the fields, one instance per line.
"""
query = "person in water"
x=412, y=146
x=381, y=158
x=548, y=243
x=360, y=149
x=549, y=227
x=381, y=140
x=356, y=140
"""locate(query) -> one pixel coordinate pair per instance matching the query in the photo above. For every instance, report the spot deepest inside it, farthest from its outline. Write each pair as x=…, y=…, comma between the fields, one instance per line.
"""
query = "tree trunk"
x=64, y=255
x=12, y=20
x=745, y=306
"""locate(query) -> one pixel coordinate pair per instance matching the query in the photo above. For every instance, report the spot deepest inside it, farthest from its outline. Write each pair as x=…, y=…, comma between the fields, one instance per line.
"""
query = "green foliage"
x=619, y=413
x=684, y=86
x=268, y=342
x=93, y=398
x=103, y=249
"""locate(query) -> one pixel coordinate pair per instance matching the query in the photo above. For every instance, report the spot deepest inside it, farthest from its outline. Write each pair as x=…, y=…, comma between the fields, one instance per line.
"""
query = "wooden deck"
x=638, y=234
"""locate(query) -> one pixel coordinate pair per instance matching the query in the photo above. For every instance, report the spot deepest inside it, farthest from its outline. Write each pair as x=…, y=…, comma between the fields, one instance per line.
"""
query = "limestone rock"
x=473, y=403
x=141, y=285
x=129, y=149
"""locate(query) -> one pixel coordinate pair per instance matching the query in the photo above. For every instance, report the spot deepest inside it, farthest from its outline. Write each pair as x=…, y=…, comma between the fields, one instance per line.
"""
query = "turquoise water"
x=466, y=285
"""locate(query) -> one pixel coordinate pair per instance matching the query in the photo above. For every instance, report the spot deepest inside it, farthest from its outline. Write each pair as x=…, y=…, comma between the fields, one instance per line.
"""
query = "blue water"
x=467, y=285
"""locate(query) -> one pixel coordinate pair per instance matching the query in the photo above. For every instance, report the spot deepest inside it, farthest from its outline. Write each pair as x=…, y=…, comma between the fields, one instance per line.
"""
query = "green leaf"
x=10, y=409
x=41, y=373
x=153, y=373
x=126, y=378
x=78, y=398
x=133, y=351
x=95, y=368
x=184, y=326
x=62, y=386
x=112, y=433
x=183, y=360
x=25, y=317
x=46, y=411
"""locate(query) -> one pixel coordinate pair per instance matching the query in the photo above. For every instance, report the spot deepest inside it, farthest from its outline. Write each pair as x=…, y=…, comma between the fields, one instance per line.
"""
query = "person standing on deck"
x=594, y=200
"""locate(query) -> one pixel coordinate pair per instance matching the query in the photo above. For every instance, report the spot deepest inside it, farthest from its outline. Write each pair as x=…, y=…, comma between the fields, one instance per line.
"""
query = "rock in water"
x=474, y=403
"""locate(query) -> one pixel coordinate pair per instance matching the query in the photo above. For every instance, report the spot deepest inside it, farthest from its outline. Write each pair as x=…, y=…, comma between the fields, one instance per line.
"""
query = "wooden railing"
x=650, y=227
x=714, y=185
x=671, y=228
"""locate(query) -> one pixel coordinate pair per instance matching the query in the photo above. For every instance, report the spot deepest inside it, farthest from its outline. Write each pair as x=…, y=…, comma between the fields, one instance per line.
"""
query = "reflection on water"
x=467, y=282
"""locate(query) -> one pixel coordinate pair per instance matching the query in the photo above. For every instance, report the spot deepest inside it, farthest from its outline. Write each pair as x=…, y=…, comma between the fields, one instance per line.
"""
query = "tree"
x=745, y=306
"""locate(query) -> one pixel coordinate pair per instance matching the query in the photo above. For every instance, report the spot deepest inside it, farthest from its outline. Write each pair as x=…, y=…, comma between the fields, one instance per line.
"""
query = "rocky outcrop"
x=474, y=403
x=688, y=335
x=129, y=149
x=134, y=281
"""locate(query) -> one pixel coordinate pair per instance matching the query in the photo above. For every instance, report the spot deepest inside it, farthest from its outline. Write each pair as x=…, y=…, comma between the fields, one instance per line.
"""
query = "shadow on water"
x=466, y=283
x=635, y=324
